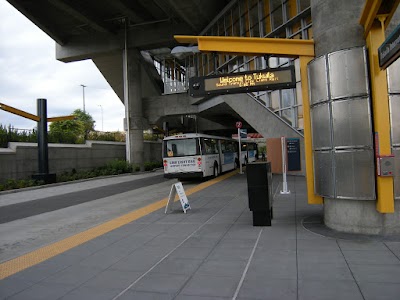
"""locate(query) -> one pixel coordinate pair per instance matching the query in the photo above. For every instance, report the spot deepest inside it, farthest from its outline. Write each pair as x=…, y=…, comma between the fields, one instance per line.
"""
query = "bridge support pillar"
x=133, y=107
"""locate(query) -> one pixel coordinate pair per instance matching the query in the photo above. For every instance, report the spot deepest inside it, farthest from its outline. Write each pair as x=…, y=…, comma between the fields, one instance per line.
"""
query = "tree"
x=72, y=131
x=86, y=121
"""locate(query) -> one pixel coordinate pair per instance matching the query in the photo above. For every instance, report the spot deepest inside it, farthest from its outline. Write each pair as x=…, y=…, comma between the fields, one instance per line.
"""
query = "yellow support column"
x=312, y=198
x=380, y=107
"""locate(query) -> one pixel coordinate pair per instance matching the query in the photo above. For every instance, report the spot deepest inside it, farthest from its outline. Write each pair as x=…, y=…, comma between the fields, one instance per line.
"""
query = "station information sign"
x=251, y=81
x=389, y=51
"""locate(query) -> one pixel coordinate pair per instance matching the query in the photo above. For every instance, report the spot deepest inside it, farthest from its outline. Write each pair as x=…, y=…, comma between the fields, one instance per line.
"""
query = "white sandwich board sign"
x=177, y=188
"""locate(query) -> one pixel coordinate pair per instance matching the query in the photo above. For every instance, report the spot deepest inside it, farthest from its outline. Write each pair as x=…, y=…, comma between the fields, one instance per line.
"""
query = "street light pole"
x=83, y=91
x=102, y=127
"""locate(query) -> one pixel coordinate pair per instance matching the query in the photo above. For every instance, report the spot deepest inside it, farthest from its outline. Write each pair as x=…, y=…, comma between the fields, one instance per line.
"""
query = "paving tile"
x=361, y=245
x=320, y=244
x=85, y=249
x=137, y=262
x=281, y=243
x=186, y=297
x=12, y=285
x=271, y=289
x=236, y=243
x=74, y=275
x=222, y=268
x=181, y=230
x=393, y=245
x=278, y=268
x=223, y=253
x=376, y=273
x=380, y=291
x=162, y=241
x=210, y=286
x=200, y=242
x=152, y=229
x=364, y=257
x=129, y=295
x=161, y=283
x=45, y=269
x=320, y=271
x=105, y=258
x=324, y=257
x=133, y=242
x=113, y=279
x=213, y=230
x=43, y=290
x=329, y=290
x=264, y=254
x=91, y=293
x=179, y=266
x=191, y=252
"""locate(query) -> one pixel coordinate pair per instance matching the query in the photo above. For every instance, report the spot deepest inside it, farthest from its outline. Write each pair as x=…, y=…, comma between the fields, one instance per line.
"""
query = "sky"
x=29, y=70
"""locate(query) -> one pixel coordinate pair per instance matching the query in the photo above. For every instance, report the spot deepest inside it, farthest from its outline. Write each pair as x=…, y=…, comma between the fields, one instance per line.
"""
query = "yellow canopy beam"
x=32, y=117
x=19, y=112
x=62, y=118
x=250, y=46
x=373, y=8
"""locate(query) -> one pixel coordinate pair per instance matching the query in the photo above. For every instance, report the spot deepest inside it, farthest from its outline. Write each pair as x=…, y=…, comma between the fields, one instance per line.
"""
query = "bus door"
x=210, y=155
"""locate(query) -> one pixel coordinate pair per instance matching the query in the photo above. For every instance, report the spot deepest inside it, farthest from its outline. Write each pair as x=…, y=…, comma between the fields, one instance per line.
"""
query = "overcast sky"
x=29, y=70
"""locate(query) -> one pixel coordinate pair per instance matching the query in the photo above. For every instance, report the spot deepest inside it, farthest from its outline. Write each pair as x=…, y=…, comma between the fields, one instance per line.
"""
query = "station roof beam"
x=250, y=46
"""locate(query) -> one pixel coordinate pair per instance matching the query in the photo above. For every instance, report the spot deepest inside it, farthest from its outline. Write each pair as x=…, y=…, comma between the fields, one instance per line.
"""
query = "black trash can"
x=259, y=185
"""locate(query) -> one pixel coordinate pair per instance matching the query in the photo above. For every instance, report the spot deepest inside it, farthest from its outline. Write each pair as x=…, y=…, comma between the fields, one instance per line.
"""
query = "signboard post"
x=177, y=188
x=238, y=126
x=284, y=184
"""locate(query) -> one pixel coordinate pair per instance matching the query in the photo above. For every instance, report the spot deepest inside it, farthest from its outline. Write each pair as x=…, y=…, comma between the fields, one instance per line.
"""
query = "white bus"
x=195, y=155
x=249, y=151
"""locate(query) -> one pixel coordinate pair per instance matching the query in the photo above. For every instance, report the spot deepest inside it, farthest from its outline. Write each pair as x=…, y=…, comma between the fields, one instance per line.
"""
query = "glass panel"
x=277, y=18
x=287, y=114
x=287, y=98
x=304, y=4
x=235, y=20
x=273, y=62
x=275, y=4
x=275, y=100
x=185, y=147
x=210, y=146
x=254, y=22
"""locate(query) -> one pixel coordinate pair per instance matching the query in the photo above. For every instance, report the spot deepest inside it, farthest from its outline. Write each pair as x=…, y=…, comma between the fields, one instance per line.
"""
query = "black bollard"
x=43, y=149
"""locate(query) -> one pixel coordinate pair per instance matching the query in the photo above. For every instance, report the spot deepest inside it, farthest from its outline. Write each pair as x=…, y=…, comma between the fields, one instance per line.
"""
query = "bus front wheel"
x=216, y=171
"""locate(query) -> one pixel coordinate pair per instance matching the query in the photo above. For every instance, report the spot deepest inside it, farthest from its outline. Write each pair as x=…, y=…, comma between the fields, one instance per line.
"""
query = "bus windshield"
x=182, y=147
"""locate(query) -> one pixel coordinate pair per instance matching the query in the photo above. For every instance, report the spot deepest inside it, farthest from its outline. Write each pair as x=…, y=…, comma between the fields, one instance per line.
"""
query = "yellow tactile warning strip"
x=35, y=257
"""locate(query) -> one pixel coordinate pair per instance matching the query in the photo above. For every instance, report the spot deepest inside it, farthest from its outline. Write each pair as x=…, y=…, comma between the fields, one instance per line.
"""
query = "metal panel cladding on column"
x=348, y=75
x=394, y=101
x=318, y=80
x=321, y=126
x=396, y=152
x=394, y=77
x=352, y=123
x=323, y=169
x=355, y=174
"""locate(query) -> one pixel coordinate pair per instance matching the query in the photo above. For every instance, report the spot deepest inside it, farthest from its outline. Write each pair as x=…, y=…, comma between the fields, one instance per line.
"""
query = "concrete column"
x=336, y=27
x=133, y=107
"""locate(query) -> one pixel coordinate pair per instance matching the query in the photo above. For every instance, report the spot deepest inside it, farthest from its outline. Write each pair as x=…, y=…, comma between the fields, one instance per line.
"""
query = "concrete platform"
x=212, y=252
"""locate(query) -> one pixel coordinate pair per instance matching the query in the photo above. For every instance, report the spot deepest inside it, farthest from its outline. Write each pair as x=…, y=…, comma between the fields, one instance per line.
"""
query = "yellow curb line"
x=35, y=257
